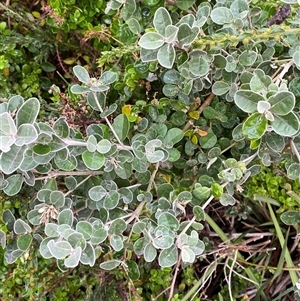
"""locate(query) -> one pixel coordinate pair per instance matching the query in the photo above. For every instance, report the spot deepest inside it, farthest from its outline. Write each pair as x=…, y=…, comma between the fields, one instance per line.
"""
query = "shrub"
x=221, y=96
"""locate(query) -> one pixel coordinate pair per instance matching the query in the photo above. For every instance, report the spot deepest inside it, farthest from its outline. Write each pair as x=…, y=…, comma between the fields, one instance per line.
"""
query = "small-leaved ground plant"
x=221, y=103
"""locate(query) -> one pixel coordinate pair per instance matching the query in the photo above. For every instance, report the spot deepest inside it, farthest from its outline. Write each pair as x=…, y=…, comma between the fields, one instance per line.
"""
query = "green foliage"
x=272, y=183
x=190, y=109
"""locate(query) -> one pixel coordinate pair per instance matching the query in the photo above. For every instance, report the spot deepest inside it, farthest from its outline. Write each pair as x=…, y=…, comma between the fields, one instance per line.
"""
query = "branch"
x=174, y=277
x=283, y=72
x=106, y=119
x=54, y=174
x=206, y=103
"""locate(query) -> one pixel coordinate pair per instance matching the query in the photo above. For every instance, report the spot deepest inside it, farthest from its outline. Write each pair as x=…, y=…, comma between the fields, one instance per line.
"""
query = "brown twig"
x=57, y=283
x=174, y=277
x=62, y=65
x=206, y=103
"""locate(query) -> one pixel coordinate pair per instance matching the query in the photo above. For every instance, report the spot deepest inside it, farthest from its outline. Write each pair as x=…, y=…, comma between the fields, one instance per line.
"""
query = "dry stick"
x=57, y=283
x=62, y=65
x=54, y=174
x=230, y=275
x=106, y=119
x=206, y=103
x=80, y=183
x=283, y=72
x=294, y=149
x=138, y=210
x=136, y=213
x=8, y=17
x=174, y=277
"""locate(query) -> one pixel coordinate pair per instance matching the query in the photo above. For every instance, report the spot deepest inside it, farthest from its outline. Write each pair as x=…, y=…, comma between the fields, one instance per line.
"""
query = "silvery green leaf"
x=85, y=228
x=73, y=260
x=247, y=100
x=188, y=256
x=128, y=9
x=111, y=200
x=2, y=239
x=171, y=33
x=103, y=146
x=75, y=239
x=26, y=134
x=97, y=193
x=166, y=55
x=110, y=264
x=34, y=217
x=139, y=246
x=168, y=220
x=221, y=15
x=168, y=257
x=163, y=242
x=14, y=103
x=12, y=256
x=287, y=125
x=226, y=199
x=93, y=161
x=99, y=235
x=148, y=55
x=61, y=128
x=57, y=198
x=263, y=106
x=239, y=9
x=28, y=112
x=282, y=103
x=134, y=25
x=8, y=219
x=24, y=242
x=88, y=255
x=65, y=217
x=8, y=130
x=293, y=171
x=51, y=230
x=155, y=156
x=77, y=89
x=82, y=75
x=296, y=59
x=20, y=227
x=186, y=35
x=151, y=41
x=108, y=77
x=118, y=226
x=91, y=144
x=59, y=249
x=70, y=182
x=150, y=253
x=13, y=184
x=116, y=242
x=161, y=20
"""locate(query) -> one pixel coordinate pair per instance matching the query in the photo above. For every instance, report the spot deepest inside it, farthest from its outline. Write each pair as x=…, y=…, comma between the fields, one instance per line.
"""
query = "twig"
x=57, y=283
x=80, y=183
x=138, y=210
x=283, y=72
x=62, y=65
x=106, y=119
x=230, y=274
x=136, y=213
x=174, y=277
x=8, y=17
x=206, y=103
x=54, y=174
x=294, y=150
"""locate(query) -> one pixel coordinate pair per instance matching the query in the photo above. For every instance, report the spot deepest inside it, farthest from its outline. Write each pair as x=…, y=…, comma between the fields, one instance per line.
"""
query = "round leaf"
x=255, y=126
x=151, y=41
